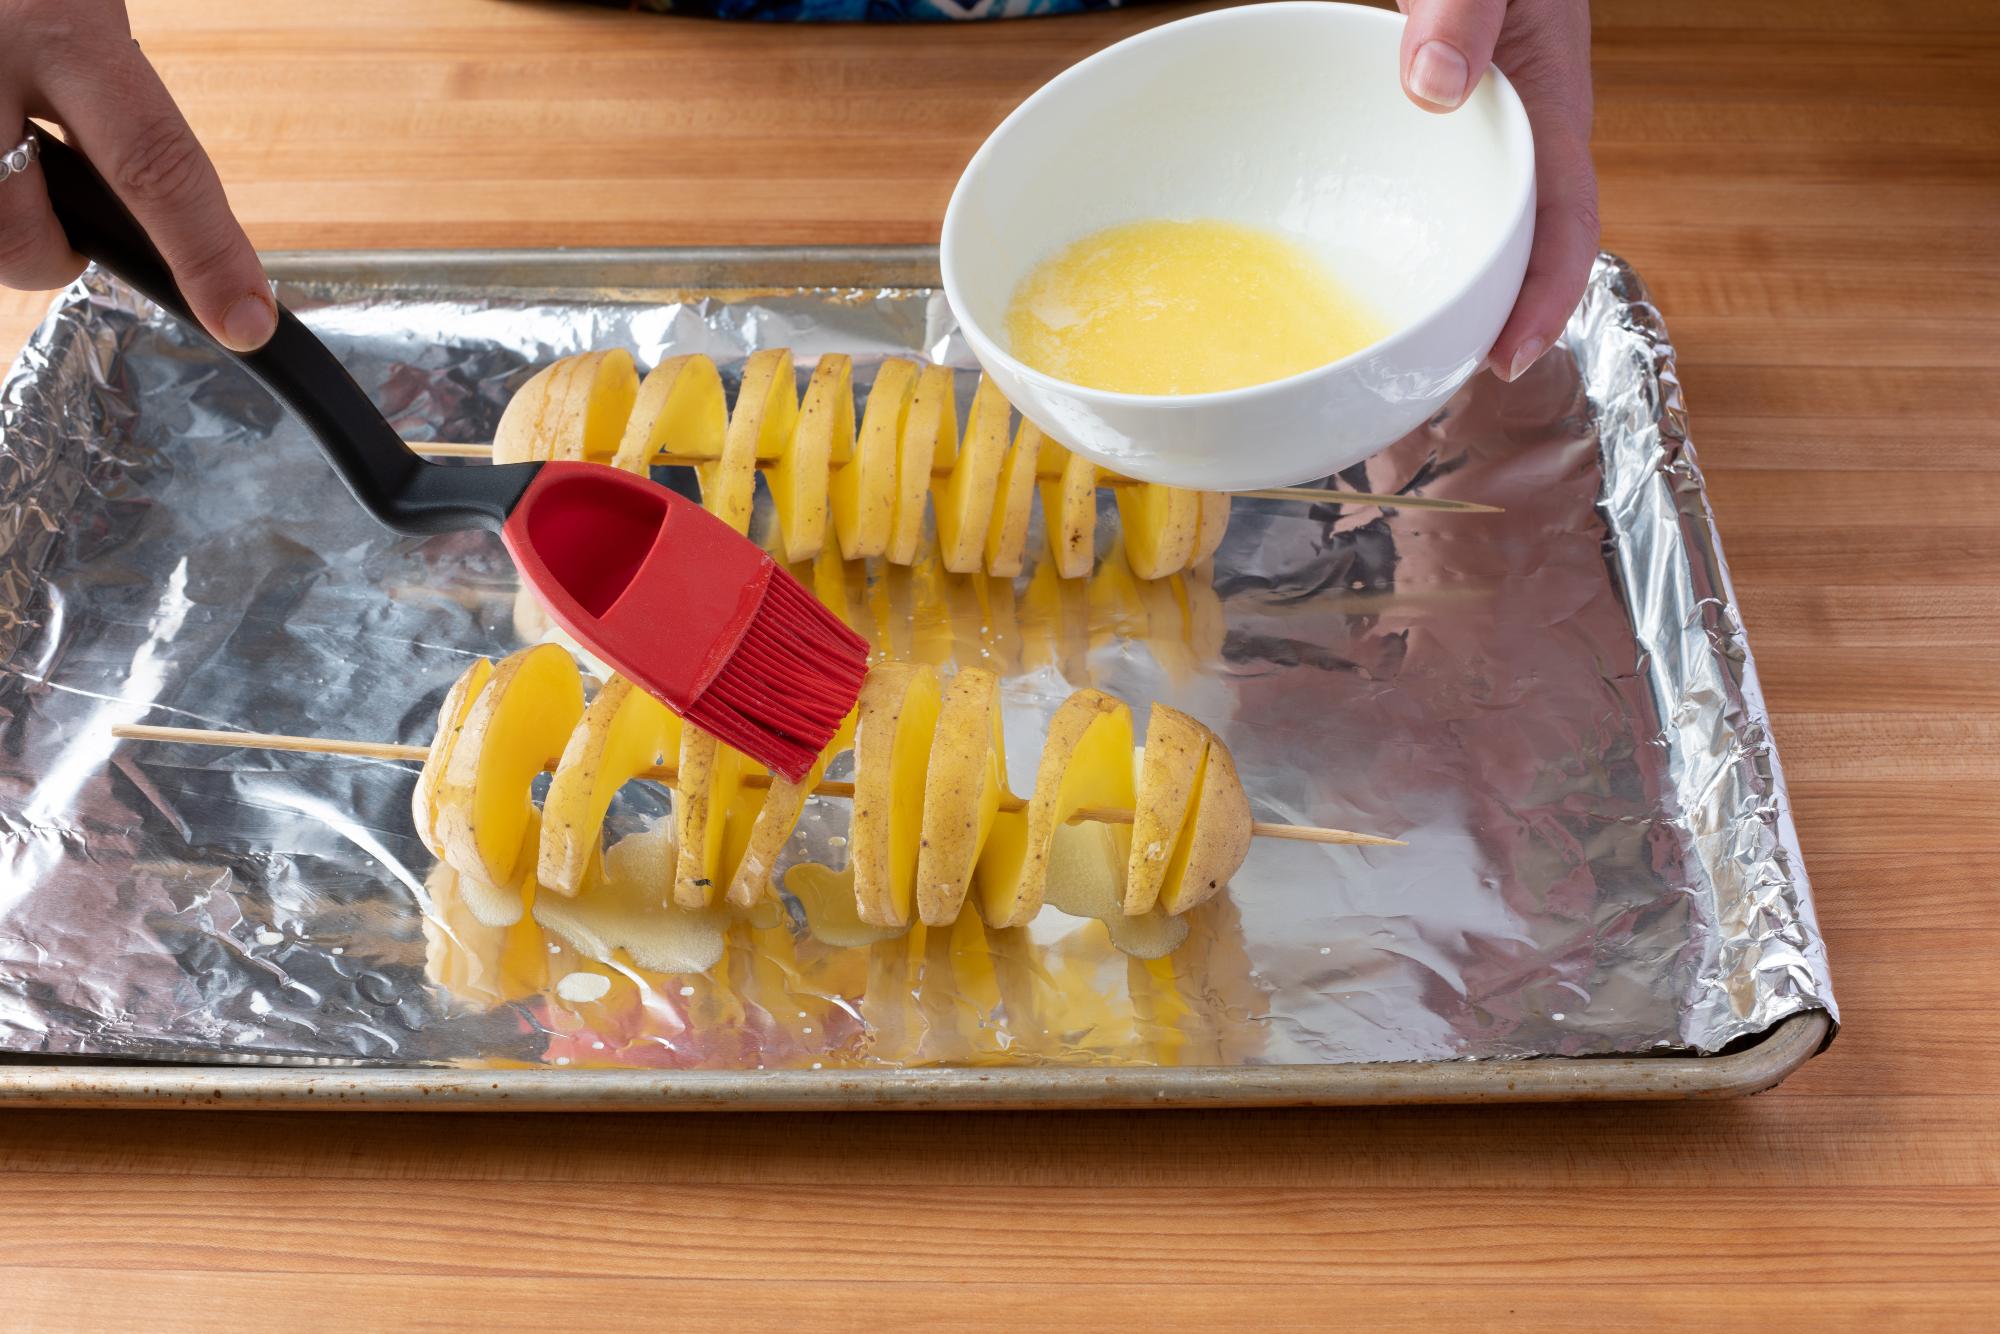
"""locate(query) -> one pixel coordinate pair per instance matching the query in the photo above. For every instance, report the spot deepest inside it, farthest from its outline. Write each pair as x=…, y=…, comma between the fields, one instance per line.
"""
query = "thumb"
x=1447, y=45
x=124, y=119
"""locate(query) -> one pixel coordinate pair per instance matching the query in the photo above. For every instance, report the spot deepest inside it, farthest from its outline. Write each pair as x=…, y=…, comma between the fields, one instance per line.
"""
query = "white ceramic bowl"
x=1285, y=115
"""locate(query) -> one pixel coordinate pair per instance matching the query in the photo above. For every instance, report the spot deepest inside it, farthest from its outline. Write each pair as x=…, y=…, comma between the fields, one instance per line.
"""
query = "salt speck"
x=687, y=991
x=562, y=1060
x=340, y=949
x=554, y=948
x=807, y=1029
x=597, y=1046
x=270, y=937
x=1558, y=1016
x=582, y=988
x=1326, y=949
x=816, y=1065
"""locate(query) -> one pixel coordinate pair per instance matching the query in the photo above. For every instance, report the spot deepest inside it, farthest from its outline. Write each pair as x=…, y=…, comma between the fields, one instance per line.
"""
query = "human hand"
x=1543, y=47
x=74, y=62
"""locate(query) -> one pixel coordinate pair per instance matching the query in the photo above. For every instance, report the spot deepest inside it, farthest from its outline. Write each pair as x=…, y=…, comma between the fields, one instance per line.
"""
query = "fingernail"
x=1438, y=74
x=249, y=322
x=1525, y=356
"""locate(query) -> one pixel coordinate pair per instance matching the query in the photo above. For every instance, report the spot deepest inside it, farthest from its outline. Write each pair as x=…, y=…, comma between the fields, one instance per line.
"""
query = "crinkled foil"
x=1556, y=707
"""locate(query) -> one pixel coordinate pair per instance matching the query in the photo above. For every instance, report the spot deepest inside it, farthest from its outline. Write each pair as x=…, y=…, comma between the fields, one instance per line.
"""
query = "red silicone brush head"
x=688, y=609
x=794, y=675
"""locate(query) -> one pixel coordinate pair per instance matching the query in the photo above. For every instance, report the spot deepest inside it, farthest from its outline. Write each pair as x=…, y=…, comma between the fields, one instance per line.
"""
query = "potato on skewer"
x=932, y=824
x=869, y=483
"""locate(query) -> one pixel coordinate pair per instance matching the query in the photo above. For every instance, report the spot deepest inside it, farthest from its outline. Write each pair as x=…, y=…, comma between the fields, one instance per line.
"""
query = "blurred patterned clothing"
x=864, y=11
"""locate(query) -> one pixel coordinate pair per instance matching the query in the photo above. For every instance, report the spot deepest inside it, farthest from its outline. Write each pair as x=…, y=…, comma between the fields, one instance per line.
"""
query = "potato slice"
x=895, y=720
x=767, y=411
x=1170, y=773
x=1013, y=503
x=966, y=502
x=1212, y=526
x=709, y=799
x=681, y=409
x=1086, y=878
x=962, y=791
x=1216, y=840
x=575, y=408
x=1159, y=525
x=624, y=732
x=804, y=472
x=517, y=727
x=1069, y=508
x=1087, y=761
x=929, y=440
x=863, y=493
x=777, y=816
x=451, y=721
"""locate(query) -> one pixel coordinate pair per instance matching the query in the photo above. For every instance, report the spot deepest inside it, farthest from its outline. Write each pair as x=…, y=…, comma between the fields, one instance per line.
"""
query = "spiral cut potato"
x=932, y=825
x=866, y=481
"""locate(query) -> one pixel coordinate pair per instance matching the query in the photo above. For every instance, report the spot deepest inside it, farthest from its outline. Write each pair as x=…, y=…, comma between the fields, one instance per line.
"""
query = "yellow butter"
x=1165, y=307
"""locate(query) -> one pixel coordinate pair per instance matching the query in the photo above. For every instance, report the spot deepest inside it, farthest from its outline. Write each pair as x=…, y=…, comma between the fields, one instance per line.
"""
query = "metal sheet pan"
x=1755, y=991
x=1762, y=1064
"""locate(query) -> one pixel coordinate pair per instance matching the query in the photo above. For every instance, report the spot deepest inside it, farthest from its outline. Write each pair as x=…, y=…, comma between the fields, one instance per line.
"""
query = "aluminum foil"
x=1556, y=707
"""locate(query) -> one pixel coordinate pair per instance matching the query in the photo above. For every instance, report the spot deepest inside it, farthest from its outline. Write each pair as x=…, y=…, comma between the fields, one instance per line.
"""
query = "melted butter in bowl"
x=1280, y=116
x=1184, y=307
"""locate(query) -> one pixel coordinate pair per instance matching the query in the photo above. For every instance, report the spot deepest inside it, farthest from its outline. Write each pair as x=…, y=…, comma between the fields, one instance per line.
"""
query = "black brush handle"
x=408, y=493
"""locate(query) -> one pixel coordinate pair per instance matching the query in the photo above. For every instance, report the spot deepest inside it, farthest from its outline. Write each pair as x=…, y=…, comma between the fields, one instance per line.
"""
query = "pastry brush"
x=670, y=596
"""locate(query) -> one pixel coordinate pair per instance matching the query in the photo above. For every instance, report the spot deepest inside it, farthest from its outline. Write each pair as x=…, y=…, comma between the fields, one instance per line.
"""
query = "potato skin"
x=516, y=727
x=961, y=793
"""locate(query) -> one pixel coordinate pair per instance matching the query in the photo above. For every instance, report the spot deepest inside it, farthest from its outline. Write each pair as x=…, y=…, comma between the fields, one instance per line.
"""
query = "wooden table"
x=1812, y=193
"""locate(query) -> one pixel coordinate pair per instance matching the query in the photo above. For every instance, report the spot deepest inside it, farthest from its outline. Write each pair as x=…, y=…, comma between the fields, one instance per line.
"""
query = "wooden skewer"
x=386, y=750
x=1316, y=495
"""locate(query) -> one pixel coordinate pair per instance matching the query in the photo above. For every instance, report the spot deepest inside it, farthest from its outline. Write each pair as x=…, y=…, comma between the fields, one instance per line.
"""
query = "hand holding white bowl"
x=1288, y=117
x=1544, y=50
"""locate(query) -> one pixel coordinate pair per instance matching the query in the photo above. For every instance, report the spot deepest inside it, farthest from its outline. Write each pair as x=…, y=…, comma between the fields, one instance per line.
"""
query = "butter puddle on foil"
x=623, y=910
x=1183, y=308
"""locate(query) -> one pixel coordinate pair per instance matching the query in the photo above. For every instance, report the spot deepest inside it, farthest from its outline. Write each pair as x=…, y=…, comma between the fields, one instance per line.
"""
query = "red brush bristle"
x=791, y=679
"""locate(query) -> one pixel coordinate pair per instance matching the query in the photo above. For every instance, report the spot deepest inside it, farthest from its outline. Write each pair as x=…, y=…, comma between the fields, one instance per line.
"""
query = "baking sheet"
x=1555, y=706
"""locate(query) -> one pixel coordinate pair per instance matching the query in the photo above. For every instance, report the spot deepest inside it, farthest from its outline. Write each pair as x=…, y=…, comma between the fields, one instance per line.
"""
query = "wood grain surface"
x=1811, y=191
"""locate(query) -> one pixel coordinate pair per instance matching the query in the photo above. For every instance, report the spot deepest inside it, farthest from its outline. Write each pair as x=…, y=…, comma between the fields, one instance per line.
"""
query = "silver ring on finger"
x=18, y=158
